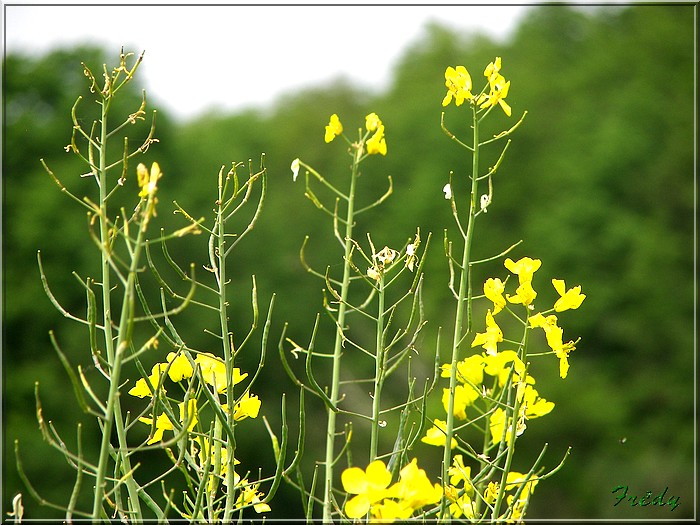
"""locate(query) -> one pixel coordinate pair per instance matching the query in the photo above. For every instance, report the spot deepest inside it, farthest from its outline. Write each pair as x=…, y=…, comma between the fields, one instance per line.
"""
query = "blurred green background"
x=598, y=182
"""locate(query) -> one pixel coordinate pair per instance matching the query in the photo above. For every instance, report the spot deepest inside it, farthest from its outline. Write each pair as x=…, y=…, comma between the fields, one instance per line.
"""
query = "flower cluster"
x=525, y=294
x=484, y=383
x=459, y=87
x=375, y=495
x=207, y=456
x=472, y=387
x=462, y=495
x=470, y=372
x=376, y=144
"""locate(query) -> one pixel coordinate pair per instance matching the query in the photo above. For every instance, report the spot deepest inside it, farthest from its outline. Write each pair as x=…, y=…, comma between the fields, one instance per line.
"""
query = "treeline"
x=598, y=183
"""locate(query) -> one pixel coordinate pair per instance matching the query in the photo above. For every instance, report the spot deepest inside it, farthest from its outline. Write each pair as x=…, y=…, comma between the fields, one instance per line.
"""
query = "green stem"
x=339, y=340
x=220, y=233
x=113, y=416
x=464, y=294
x=379, y=372
x=513, y=430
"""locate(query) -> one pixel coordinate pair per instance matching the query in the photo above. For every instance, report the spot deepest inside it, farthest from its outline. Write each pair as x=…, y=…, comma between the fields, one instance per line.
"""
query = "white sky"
x=234, y=56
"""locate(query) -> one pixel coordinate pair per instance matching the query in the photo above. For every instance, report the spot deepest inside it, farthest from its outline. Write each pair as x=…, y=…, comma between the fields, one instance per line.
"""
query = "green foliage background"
x=599, y=183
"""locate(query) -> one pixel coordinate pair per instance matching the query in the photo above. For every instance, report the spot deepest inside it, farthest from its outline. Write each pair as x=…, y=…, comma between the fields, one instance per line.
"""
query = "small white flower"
x=17, y=508
x=410, y=256
x=386, y=255
x=295, y=169
x=485, y=201
x=448, y=191
x=372, y=273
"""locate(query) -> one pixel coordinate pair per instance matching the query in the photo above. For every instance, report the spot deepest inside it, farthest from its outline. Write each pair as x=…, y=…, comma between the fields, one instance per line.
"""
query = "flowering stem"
x=339, y=340
x=113, y=416
x=219, y=260
x=379, y=373
x=464, y=294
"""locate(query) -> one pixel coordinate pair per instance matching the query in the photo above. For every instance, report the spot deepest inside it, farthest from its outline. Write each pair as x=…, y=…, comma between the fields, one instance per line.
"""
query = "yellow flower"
x=188, y=413
x=389, y=511
x=498, y=88
x=524, y=294
x=333, y=129
x=214, y=371
x=140, y=389
x=497, y=424
x=499, y=365
x=436, y=435
x=459, y=85
x=465, y=396
x=490, y=337
x=180, y=367
x=491, y=492
x=570, y=299
x=533, y=405
x=460, y=506
x=470, y=370
x=493, y=68
x=218, y=458
x=554, y=335
x=248, y=406
x=513, y=482
x=148, y=182
x=515, y=479
x=414, y=489
x=493, y=290
x=517, y=508
x=372, y=122
x=250, y=495
x=377, y=142
x=459, y=473
x=523, y=268
x=369, y=485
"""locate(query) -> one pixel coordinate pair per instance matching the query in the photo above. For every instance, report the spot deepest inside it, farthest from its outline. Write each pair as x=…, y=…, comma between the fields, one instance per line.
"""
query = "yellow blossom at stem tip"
x=333, y=129
x=372, y=122
x=459, y=85
x=498, y=88
x=377, y=142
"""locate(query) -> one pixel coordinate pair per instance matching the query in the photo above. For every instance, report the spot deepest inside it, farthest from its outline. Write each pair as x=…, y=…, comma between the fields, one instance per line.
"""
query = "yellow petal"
x=354, y=480
x=357, y=507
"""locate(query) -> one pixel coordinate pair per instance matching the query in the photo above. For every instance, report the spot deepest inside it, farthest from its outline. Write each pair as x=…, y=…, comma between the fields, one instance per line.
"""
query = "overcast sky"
x=232, y=56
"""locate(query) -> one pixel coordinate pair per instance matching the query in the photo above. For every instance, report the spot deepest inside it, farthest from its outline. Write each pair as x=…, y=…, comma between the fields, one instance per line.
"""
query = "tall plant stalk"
x=339, y=342
x=464, y=295
x=115, y=353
